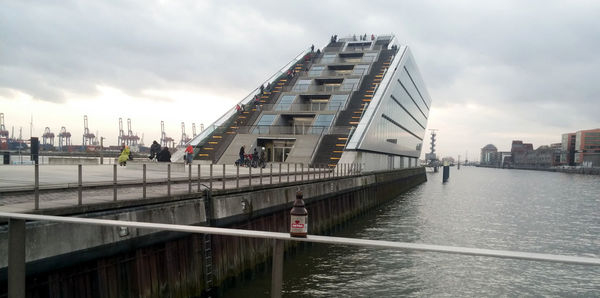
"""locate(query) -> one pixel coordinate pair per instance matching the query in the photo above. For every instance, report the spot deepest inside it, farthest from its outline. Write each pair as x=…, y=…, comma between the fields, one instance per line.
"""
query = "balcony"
x=305, y=107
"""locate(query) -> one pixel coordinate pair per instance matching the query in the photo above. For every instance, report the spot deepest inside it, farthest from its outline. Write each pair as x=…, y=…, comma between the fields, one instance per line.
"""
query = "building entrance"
x=276, y=150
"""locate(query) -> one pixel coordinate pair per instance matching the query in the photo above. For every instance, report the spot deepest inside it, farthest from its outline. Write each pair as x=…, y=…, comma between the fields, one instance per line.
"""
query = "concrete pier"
x=133, y=262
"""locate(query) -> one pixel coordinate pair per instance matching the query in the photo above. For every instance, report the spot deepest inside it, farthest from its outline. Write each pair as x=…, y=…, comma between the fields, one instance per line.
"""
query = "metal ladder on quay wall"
x=208, y=274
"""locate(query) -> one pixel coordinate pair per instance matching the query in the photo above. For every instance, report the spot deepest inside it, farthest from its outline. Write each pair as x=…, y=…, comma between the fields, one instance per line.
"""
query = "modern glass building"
x=356, y=100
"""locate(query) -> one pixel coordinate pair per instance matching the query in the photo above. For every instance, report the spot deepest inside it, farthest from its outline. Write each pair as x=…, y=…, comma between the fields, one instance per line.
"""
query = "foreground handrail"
x=315, y=238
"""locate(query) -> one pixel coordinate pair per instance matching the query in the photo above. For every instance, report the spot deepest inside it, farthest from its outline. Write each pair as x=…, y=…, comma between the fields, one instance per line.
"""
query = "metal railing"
x=17, y=249
x=304, y=107
x=333, y=73
x=294, y=130
x=107, y=186
x=320, y=88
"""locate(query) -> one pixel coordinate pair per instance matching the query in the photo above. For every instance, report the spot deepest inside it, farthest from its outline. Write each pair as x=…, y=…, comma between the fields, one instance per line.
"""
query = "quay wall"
x=93, y=261
x=568, y=170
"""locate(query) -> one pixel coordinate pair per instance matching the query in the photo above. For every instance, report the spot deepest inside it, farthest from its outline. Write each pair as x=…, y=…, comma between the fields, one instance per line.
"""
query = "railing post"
x=36, y=178
x=260, y=175
x=190, y=178
x=16, y=257
x=223, y=176
x=295, y=172
x=237, y=177
x=211, y=176
x=199, y=178
x=302, y=172
x=144, y=181
x=288, y=172
x=168, y=180
x=79, y=184
x=114, y=182
x=277, y=270
x=279, y=172
x=271, y=173
x=320, y=167
x=250, y=175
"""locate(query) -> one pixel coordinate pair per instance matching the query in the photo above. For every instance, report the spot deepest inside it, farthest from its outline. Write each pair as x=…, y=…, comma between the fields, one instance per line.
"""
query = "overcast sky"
x=495, y=70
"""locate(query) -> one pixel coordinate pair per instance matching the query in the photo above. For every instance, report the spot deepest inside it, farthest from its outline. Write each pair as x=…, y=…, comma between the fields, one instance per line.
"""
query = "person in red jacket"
x=189, y=154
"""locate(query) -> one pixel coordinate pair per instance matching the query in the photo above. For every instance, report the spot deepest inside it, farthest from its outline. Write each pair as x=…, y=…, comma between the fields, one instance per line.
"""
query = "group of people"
x=160, y=155
x=156, y=153
x=251, y=160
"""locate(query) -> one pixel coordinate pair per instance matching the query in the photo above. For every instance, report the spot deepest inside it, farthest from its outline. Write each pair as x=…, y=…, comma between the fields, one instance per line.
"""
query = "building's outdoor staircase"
x=332, y=146
x=222, y=137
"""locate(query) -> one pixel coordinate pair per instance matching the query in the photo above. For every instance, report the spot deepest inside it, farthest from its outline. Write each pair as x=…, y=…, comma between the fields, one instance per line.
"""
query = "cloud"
x=534, y=63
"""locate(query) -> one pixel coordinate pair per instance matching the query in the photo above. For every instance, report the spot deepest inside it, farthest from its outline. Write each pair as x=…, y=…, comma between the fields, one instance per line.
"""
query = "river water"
x=503, y=209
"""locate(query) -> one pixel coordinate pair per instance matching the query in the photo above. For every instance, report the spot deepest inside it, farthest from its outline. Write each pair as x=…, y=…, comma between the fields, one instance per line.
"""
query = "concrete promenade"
x=58, y=184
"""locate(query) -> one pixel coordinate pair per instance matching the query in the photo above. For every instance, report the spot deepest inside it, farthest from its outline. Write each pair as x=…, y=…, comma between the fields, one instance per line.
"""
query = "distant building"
x=567, y=154
x=488, y=155
x=587, y=147
x=523, y=155
x=519, y=151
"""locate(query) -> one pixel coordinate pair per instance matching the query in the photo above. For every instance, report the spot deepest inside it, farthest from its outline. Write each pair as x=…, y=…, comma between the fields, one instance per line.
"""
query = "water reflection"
x=485, y=208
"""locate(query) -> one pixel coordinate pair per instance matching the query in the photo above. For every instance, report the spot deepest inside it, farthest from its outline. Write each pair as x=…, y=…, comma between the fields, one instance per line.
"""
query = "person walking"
x=164, y=155
x=189, y=154
x=124, y=157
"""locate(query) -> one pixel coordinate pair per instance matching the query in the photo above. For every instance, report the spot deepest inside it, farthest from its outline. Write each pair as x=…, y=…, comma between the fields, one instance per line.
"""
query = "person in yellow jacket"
x=124, y=156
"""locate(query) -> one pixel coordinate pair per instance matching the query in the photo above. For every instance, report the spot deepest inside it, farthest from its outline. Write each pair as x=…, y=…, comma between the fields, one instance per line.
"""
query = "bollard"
x=250, y=175
x=298, y=217
x=16, y=258
x=79, y=185
x=199, y=183
x=223, y=176
x=190, y=178
x=211, y=176
x=114, y=182
x=446, y=173
x=37, y=186
x=237, y=177
x=260, y=175
x=271, y=174
x=168, y=180
x=144, y=181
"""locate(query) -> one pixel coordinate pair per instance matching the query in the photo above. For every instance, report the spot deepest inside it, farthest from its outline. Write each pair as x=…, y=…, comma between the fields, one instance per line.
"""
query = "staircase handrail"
x=231, y=112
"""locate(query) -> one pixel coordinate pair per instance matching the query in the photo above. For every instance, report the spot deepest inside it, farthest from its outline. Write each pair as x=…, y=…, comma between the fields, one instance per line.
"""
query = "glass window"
x=328, y=57
x=369, y=57
x=349, y=84
x=337, y=101
x=360, y=69
x=302, y=85
x=262, y=126
x=407, y=82
x=285, y=103
x=316, y=70
x=322, y=122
